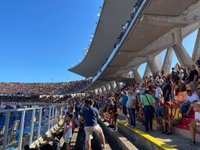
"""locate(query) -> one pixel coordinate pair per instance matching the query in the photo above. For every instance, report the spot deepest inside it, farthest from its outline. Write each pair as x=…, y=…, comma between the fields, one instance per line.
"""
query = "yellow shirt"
x=177, y=114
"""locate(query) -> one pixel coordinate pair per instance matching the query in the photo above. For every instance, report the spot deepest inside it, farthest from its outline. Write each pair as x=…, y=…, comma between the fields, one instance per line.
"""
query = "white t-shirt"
x=197, y=116
x=158, y=93
x=131, y=101
x=193, y=97
x=68, y=133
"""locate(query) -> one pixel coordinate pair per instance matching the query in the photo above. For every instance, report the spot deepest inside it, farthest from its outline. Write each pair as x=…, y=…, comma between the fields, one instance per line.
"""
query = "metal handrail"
x=53, y=114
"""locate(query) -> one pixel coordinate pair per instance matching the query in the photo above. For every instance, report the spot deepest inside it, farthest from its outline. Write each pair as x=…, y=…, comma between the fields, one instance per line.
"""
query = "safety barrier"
x=19, y=127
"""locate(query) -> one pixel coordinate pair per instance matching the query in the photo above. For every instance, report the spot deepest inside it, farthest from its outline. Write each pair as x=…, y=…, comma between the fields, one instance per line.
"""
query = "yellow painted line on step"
x=152, y=139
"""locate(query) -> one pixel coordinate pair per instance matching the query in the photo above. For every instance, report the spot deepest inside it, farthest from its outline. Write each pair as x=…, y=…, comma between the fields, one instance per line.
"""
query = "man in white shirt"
x=191, y=99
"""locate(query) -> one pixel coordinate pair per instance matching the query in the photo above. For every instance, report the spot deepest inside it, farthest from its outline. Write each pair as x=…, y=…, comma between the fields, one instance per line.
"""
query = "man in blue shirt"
x=90, y=115
x=123, y=102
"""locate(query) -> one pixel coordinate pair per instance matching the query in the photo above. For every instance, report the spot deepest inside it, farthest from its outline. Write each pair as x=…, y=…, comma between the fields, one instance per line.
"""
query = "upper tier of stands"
x=61, y=88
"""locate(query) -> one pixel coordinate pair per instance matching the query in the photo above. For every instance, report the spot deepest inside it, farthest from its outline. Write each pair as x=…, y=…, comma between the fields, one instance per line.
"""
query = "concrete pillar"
x=109, y=87
x=136, y=75
x=112, y=87
x=118, y=85
x=196, y=51
x=152, y=65
x=158, y=62
x=96, y=91
x=182, y=54
x=147, y=71
x=100, y=90
x=103, y=89
x=168, y=61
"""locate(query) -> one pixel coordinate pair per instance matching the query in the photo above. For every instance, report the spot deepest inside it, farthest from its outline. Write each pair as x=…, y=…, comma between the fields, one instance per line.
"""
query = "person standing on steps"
x=148, y=101
x=90, y=116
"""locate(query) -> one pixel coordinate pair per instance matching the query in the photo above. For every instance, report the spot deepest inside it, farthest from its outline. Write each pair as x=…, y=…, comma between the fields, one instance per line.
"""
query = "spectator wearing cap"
x=174, y=119
x=148, y=101
x=90, y=115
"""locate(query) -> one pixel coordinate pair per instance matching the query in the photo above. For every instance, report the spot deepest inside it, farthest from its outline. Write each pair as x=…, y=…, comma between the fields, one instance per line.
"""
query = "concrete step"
x=141, y=139
x=116, y=140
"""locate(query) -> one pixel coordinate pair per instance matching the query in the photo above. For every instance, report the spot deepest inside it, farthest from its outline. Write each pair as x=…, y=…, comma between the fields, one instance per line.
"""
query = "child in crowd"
x=68, y=131
x=174, y=117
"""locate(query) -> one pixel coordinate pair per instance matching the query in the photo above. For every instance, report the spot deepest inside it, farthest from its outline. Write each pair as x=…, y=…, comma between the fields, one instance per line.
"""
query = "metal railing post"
x=39, y=123
x=56, y=115
x=21, y=129
x=5, y=139
x=61, y=111
x=53, y=115
x=49, y=118
x=32, y=127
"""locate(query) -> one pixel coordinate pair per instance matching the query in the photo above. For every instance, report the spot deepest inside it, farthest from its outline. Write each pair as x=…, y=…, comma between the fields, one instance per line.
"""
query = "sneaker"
x=164, y=132
x=168, y=133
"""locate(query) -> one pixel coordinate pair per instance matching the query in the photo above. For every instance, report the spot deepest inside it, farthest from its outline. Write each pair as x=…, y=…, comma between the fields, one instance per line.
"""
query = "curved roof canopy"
x=151, y=32
x=114, y=14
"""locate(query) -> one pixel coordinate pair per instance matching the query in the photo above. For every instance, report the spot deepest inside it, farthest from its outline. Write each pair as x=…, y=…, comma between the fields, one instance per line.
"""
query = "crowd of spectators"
x=61, y=88
x=165, y=98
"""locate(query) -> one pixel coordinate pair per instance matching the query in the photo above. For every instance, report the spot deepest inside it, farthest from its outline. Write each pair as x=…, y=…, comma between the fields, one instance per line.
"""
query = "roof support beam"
x=196, y=51
x=167, y=61
x=147, y=71
x=112, y=87
x=136, y=74
x=152, y=65
x=163, y=20
x=182, y=54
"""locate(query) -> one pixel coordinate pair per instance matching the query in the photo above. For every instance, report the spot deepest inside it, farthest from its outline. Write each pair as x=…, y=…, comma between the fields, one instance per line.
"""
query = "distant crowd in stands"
x=43, y=88
x=8, y=100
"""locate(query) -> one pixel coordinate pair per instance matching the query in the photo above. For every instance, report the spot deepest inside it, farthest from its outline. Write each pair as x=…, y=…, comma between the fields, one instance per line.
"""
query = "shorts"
x=67, y=139
x=89, y=131
x=175, y=122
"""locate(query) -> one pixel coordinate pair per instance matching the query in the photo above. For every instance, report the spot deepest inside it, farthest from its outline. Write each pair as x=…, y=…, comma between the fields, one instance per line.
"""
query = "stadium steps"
x=142, y=139
x=157, y=140
x=115, y=139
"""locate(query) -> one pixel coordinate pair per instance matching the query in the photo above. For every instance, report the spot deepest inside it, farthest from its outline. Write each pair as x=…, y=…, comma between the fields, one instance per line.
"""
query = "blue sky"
x=41, y=39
